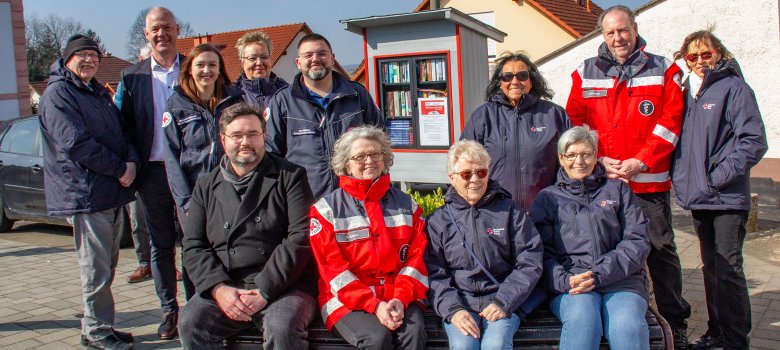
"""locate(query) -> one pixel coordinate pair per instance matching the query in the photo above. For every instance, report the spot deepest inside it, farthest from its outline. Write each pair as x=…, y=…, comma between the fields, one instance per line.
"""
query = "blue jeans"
x=493, y=335
x=620, y=316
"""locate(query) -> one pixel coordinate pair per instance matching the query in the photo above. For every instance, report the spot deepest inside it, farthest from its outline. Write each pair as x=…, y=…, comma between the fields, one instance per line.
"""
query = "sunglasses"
x=467, y=174
x=507, y=76
x=695, y=56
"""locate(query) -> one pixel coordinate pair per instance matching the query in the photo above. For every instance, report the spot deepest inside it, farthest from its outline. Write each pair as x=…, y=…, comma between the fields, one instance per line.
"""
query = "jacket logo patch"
x=166, y=119
x=709, y=106
x=538, y=129
x=267, y=113
x=606, y=202
x=593, y=93
x=403, y=252
x=314, y=227
x=300, y=132
x=646, y=108
x=676, y=79
x=495, y=231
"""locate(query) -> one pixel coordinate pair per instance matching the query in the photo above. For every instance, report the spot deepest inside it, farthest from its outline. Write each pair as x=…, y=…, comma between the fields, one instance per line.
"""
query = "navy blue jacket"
x=84, y=151
x=595, y=224
x=257, y=92
x=302, y=132
x=722, y=138
x=522, y=142
x=192, y=146
x=503, y=239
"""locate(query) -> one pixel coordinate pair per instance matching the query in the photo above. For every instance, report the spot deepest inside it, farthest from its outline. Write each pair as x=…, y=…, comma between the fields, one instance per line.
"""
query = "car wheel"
x=125, y=231
x=5, y=222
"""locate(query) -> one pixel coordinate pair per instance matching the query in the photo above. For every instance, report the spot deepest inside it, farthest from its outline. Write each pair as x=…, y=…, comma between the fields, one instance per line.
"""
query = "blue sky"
x=111, y=19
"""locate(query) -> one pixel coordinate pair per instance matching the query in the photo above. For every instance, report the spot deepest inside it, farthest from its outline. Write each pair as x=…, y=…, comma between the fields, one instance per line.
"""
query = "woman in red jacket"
x=368, y=242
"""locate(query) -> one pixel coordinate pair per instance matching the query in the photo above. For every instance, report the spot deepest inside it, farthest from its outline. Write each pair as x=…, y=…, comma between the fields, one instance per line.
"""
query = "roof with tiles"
x=281, y=38
x=109, y=72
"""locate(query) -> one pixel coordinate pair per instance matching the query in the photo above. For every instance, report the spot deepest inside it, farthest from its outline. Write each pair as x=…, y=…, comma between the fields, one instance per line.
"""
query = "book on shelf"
x=398, y=103
x=431, y=93
x=400, y=132
x=432, y=69
x=395, y=72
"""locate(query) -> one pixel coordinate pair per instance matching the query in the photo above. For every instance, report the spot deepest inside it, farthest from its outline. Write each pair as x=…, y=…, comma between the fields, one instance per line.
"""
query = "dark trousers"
x=364, y=331
x=663, y=261
x=160, y=211
x=189, y=286
x=203, y=325
x=721, y=236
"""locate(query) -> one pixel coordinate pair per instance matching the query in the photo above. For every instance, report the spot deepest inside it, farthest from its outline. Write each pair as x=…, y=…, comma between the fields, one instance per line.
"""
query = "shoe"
x=178, y=275
x=126, y=337
x=111, y=342
x=706, y=342
x=141, y=273
x=167, y=329
x=680, y=336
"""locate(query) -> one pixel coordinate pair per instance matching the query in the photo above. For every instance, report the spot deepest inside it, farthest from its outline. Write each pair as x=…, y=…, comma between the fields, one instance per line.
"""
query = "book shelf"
x=415, y=101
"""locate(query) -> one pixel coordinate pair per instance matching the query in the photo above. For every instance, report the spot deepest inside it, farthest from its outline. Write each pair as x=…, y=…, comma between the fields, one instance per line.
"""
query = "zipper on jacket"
x=477, y=245
x=596, y=250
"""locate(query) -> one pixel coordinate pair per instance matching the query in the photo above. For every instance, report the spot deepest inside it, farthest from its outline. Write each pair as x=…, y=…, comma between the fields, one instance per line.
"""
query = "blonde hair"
x=253, y=38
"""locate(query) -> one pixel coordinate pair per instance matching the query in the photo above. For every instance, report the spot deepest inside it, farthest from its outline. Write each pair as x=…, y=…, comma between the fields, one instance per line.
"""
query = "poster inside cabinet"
x=434, y=121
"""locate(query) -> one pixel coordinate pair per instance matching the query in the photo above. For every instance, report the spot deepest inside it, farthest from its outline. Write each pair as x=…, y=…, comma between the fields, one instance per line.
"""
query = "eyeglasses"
x=257, y=58
x=309, y=55
x=695, y=56
x=252, y=138
x=586, y=156
x=84, y=55
x=362, y=158
x=467, y=174
x=507, y=76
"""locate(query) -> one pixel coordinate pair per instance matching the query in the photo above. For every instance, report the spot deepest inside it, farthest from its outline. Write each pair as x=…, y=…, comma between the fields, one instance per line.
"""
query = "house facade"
x=14, y=91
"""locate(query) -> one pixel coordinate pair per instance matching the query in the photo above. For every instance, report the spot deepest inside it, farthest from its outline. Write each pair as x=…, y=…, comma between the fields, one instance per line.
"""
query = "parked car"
x=21, y=177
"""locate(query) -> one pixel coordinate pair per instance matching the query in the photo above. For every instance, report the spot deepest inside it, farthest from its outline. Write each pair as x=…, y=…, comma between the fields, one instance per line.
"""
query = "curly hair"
x=253, y=38
x=368, y=132
x=539, y=86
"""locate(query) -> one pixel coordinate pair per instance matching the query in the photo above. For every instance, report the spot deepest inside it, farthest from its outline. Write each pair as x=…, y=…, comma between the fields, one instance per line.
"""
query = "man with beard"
x=633, y=99
x=246, y=243
x=306, y=118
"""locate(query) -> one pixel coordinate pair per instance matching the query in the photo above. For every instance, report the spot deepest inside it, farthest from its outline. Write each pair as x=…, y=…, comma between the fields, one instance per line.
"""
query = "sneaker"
x=141, y=273
x=126, y=337
x=111, y=342
x=680, y=338
x=706, y=342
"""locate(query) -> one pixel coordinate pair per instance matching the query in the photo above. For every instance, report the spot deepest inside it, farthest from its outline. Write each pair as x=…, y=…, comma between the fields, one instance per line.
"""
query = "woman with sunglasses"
x=368, y=241
x=722, y=138
x=595, y=246
x=192, y=147
x=519, y=128
x=484, y=256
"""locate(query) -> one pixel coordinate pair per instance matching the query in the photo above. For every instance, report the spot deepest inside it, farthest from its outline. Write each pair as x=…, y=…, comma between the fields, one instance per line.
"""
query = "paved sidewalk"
x=40, y=298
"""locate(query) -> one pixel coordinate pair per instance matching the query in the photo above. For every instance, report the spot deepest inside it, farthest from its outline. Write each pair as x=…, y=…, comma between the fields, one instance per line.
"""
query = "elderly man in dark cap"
x=88, y=169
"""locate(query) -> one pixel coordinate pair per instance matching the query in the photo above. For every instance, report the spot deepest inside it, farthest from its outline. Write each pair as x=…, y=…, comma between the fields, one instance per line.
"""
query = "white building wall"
x=285, y=67
x=748, y=28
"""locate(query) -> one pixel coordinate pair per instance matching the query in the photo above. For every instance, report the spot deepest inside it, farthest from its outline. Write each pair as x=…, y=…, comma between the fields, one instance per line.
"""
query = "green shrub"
x=428, y=202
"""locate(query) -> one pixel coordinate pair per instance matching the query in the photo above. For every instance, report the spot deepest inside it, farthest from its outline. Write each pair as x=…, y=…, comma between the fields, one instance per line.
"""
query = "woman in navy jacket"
x=484, y=257
x=519, y=128
x=722, y=138
x=595, y=245
x=191, y=124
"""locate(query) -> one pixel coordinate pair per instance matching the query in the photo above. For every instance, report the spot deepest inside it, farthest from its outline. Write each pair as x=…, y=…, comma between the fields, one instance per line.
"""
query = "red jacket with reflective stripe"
x=368, y=241
x=636, y=109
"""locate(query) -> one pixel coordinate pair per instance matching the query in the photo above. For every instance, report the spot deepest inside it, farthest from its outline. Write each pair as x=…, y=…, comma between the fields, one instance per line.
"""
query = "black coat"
x=261, y=242
x=84, y=152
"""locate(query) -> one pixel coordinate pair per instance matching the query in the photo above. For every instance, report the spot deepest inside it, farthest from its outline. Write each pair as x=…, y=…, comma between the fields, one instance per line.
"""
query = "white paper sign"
x=434, y=121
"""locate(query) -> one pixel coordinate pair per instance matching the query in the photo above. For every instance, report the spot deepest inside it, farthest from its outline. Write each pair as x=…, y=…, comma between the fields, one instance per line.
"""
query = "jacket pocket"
x=194, y=132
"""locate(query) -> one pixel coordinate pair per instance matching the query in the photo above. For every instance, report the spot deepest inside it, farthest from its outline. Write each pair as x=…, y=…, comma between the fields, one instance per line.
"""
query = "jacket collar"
x=60, y=72
x=724, y=68
x=341, y=86
x=633, y=64
x=581, y=187
x=366, y=190
x=260, y=86
x=493, y=192
x=264, y=179
x=526, y=102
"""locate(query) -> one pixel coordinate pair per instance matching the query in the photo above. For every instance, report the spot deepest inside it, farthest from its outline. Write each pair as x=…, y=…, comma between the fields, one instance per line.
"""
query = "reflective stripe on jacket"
x=368, y=241
x=636, y=107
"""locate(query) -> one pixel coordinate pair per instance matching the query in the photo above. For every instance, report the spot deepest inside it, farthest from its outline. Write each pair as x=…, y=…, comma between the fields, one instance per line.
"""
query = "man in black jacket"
x=146, y=88
x=88, y=170
x=246, y=243
x=306, y=118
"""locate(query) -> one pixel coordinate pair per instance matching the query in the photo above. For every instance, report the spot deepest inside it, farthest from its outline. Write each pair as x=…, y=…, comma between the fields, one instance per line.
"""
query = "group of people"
x=271, y=181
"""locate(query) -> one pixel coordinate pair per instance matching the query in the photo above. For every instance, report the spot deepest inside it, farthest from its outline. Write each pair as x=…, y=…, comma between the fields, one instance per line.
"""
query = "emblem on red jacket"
x=646, y=108
x=402, y=253
x=314, y=227
x=166, y=119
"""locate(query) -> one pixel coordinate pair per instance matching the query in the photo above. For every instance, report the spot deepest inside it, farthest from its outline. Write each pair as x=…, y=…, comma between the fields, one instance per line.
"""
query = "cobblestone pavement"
x=40, y=298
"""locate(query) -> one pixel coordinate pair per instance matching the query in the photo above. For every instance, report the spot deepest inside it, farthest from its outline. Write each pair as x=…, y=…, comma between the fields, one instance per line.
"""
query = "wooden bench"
x=540, y=330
